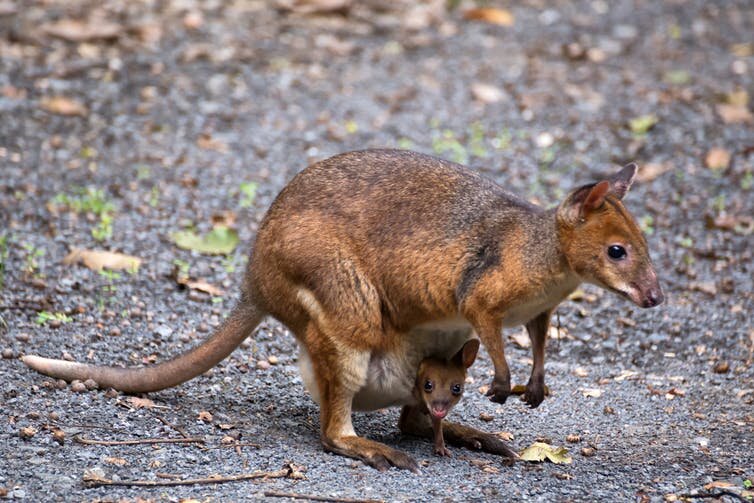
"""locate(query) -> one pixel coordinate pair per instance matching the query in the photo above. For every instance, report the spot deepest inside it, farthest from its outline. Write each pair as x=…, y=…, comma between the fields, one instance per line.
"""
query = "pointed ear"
x=583, y=200
x=467, y=354
x=622, y=180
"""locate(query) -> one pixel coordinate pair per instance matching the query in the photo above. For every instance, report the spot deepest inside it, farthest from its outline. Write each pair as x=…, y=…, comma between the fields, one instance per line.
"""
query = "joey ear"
x=622, y=180
x=467, y=354
x=583, y=200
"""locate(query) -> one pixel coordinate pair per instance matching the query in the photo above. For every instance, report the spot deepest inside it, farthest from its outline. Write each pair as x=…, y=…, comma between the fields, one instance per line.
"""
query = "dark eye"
x=456, y=389
x=616, y=252
x=428, y=386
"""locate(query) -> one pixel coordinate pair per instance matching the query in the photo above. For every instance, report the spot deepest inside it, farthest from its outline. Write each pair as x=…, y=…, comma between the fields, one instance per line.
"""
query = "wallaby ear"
x=467, y=354
x=583, y=200
x=622, y=180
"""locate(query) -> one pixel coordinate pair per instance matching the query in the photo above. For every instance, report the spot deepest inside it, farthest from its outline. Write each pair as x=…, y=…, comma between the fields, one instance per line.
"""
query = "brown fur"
x=377, y=259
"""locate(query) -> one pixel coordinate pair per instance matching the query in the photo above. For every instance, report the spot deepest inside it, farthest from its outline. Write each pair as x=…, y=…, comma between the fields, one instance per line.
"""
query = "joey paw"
x=442, y=451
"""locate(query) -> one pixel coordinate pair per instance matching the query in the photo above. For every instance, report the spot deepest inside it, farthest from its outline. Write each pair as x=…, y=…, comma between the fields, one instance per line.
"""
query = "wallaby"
x=379, y=258
x=439, y=386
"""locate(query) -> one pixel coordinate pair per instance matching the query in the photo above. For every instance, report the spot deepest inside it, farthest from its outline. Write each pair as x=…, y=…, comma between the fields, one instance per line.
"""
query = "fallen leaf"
x=97, y=260
x=219, y=241
x=734, y=114
x=580, y=372
x=573, y=439
x=717, y=158
x=63, y=106
x=521, y=339
x=707, y=287
x=490, y=15
x=201, y=286
x=587, y=452
x=95, y=475
x=313, y=6
x=504, y=435
x=74, y=30
x=677, y=77
x=642, y=124
x=653, y=170
x=140, y=403
x=484, y=416
x=205, y=416
x=116, y=461
x=207, y=142
x=718, y=484
x=487, y=93
x=539, y=451
x=625, y=374
x=591, y=393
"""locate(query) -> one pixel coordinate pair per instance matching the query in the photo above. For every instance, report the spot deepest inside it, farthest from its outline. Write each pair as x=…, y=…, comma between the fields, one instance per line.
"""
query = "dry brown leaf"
x=521, y=339
x=205, y=287
x=580, y=372
x=63, y=106
x=313, y=6
x=140, y=403
x=591, y=393
x=719, y=484
x=717, y=158
x=504, y=435
x=205, y=416
x=206, y=142
x=490, y=15
x=653, y=170
x=734, y=114
x=74, y=30
x=97, y=260
x=116, y=461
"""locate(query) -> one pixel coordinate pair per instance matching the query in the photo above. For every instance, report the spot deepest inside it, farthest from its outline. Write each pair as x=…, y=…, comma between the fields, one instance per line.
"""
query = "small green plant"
x=719, y=203
x=748, y=484
x=110, y=276
x=686, y=242
x=182, y=268
x=351, y=127
x=91, y=200
x=476, y=140
x=447, y=143
x=154, y=196
x=143, y=172
x=503, y=140
x=646, y=223
x=747, y=182
x=31, y=262
x=44, y=317
x=248, y=191
x=405, y=143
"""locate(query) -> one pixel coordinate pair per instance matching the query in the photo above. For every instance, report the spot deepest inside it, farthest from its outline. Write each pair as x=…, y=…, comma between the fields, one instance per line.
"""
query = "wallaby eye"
x=616, y=252
x=456, y=389
x=428, y=386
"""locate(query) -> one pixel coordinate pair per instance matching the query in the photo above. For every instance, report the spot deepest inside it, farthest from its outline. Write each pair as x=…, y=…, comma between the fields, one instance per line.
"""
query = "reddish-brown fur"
x=377, y=259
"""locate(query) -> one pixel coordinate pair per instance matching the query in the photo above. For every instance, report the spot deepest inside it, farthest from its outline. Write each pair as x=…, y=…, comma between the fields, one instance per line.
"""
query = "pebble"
x=721, y=367
x=78, y=386
x=8, y=353
x=273, y=359
x=23, y=337
x=484, y=416
x=587, y=452
x=263, y=364
x=59, y=436
x=27, y=432
x=115, y=331
x=61, y=384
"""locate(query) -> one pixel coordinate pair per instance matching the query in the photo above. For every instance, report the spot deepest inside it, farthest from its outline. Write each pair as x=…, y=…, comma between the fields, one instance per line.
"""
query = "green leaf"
x=219, y=241
x=677, y=77
x=540, y=451
x=642, y=124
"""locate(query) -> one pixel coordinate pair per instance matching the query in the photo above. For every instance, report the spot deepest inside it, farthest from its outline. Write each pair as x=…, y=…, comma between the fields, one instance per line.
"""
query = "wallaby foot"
x=372, y=453
x=442, y=451
x=414, y=422
x=500, y=389
x=535, y=391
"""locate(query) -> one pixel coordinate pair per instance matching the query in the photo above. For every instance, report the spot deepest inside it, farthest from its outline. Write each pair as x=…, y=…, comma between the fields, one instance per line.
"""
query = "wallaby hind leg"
x=414, y=422
x=339, y=374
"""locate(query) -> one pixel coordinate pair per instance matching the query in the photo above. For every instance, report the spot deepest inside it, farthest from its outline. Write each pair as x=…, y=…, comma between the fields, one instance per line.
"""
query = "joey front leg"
x=489, y=331
x=535, y=388
x=440, y=448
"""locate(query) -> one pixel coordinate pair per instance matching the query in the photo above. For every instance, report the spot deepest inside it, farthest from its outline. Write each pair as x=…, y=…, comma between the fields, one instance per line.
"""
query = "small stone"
x=8, y=353
x=273, y=359
x=27, y=432
x=608, y=410
x=33, y=415
x=263, y=364
x=573, y=439
x=91, y=384
x=61, y=384
x=78, y=386
x=3, y=492
x=54, y=416
x=721, y=367
x=55, y=323
x=202, y=327
x=59, y=436
x=23, y=337
x=115, y=331
x=484, y=416
x=587, y=452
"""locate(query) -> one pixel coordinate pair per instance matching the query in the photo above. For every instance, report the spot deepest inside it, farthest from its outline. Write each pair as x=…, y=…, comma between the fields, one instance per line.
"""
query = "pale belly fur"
x=390, y=377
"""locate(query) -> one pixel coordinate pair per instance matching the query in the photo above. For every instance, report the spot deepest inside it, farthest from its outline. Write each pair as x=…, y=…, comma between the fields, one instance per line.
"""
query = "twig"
x=180, y=430
x=88, y=441
x=236, y=444
x=716, y=494
x=314, y=497
x=86, y=426
x=95, y=481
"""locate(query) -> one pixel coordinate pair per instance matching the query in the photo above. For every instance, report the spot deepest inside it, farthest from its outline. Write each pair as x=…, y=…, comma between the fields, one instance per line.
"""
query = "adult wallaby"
x=378, y=259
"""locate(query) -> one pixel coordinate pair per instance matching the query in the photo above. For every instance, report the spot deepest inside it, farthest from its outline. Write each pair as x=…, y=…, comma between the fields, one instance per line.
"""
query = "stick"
x=717, y=494
x=88, y=441
x=95, y=481
x=314, y=497
x=171, y=425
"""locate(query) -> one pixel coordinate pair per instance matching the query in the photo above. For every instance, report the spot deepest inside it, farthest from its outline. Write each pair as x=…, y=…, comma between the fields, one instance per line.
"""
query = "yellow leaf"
x=540, y=451
x=490, y=15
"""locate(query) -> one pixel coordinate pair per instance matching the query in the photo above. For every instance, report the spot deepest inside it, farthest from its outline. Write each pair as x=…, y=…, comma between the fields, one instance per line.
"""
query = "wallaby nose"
x=655, y=297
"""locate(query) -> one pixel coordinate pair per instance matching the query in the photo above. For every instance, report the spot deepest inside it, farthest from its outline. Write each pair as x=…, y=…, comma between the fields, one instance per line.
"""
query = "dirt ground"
x=122, y=123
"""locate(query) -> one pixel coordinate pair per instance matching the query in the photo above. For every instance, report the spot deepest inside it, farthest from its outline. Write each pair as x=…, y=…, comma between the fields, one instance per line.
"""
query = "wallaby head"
x=602, y=242
x=439, y=383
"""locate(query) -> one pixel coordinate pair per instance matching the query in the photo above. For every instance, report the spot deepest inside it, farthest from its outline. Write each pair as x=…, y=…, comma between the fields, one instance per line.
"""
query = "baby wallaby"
x=439, y=386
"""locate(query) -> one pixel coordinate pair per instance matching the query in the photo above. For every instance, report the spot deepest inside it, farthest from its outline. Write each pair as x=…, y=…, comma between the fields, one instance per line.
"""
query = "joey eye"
x=456, y=389
x=428, y=386
x=616, y=252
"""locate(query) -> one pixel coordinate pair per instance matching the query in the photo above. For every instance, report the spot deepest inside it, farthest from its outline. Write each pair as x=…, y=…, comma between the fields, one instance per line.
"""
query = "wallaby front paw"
x=535, y=393
x=499, y=390
x=392, y=457
x=441, y=450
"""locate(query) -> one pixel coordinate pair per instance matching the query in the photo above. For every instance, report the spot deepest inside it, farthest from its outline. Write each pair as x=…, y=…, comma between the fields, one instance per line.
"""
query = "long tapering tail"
x=241, y=322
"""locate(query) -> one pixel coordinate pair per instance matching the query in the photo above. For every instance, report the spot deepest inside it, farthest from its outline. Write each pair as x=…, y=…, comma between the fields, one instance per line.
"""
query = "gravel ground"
x=168, y=110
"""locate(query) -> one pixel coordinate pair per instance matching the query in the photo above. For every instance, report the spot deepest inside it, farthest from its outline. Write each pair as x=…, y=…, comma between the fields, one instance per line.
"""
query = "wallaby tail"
x=242, y=321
